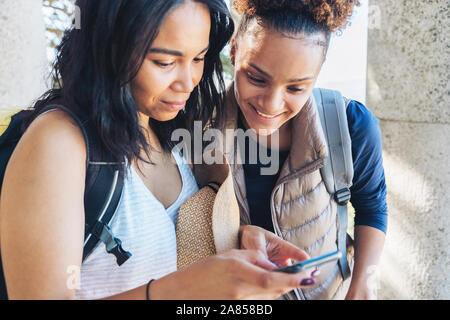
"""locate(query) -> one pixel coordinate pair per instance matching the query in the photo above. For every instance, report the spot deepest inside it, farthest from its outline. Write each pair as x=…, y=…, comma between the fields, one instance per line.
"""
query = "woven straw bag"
x=194, y=228
x=208, y=222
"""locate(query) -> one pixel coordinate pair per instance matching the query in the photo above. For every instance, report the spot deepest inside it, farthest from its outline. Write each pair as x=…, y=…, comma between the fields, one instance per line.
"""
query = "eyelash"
x=256, y=80
x=165, y=65
x=261, y=82
x=198, y=60
x=296, y=90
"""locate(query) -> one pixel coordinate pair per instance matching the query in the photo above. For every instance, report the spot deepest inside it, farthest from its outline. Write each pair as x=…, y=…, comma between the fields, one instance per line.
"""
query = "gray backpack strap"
x=338, y=170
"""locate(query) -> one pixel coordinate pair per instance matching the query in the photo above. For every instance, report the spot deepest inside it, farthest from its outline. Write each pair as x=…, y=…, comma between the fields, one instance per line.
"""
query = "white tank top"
x=146, y=229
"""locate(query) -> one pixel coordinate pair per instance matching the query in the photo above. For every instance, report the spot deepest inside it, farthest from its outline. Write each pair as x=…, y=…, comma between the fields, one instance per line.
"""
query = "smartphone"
x=311, y=263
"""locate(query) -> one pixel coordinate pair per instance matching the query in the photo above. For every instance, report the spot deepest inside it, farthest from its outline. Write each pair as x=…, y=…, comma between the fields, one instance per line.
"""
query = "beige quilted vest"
x=303, y=212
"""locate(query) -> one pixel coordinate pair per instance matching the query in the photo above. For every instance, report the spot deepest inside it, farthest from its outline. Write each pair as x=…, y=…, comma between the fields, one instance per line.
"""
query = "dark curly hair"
x=297, y=16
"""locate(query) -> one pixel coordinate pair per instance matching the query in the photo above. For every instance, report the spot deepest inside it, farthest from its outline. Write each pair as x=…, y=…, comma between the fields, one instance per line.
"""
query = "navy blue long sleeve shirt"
x=368, y=192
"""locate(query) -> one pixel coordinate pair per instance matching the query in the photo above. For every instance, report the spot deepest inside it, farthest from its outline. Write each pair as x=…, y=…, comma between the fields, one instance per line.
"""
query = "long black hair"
x=96, y=63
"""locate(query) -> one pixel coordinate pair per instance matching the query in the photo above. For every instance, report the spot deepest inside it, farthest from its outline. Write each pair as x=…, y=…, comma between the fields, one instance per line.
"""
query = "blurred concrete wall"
x=408, y=90
x=23, y=61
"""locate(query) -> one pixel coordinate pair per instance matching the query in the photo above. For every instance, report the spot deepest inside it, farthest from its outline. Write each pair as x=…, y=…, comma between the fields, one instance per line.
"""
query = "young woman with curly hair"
x=278, y=52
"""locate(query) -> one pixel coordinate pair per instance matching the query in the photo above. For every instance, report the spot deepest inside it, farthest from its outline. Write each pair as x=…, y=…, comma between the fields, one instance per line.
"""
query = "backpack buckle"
x=113, y=245
x=120, y=254
x=342, y=196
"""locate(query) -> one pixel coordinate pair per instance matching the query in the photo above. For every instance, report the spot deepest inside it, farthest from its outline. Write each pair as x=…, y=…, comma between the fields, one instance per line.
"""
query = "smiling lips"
x=175, y=106
x=264, y=116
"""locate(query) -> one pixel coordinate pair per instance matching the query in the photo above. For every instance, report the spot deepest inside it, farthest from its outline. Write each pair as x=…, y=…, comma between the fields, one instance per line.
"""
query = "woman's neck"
x=150, y=136
x=285, y=136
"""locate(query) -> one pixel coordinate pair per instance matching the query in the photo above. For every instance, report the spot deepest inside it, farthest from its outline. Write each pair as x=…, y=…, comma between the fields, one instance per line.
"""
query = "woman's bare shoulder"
x=51, y=149
x=55, y=127
x=42, y=198
x=53, y=138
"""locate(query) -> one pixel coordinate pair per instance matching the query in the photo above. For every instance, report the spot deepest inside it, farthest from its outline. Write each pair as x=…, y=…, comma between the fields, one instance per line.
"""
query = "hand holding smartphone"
x=311, y=263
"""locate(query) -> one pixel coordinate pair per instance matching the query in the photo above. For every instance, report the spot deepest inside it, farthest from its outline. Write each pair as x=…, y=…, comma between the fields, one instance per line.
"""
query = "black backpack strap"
x=104, y=205
x=9, y=140
x=103, y=190
x=338, y=170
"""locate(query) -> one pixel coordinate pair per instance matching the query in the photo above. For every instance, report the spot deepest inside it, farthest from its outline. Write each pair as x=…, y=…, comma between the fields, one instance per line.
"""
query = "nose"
x=273, y=101
x=185, y=81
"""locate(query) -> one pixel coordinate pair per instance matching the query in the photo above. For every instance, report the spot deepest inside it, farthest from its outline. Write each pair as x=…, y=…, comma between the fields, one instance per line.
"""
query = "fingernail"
x=277, y=264
x=315, y=273
x=307, y=282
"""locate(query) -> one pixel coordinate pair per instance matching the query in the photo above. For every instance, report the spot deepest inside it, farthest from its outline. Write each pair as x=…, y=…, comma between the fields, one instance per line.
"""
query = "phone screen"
x=311, y=263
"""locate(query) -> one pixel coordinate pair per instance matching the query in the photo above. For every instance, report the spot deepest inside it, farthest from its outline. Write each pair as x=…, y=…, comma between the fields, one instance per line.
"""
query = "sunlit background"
x=346, y=64
x=344, y=69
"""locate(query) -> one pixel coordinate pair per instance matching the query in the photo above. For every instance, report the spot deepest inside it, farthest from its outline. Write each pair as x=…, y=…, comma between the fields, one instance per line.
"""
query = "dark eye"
x=255, y=80
x=163, y=64
x=198, y=60
x=295, y=90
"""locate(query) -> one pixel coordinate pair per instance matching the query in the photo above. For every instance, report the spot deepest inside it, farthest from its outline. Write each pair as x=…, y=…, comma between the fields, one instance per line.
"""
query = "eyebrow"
x=172, y=52
x=270, y=77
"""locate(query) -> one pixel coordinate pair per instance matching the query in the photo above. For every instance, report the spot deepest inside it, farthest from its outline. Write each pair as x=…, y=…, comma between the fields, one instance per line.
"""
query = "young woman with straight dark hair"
x=137, y=69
